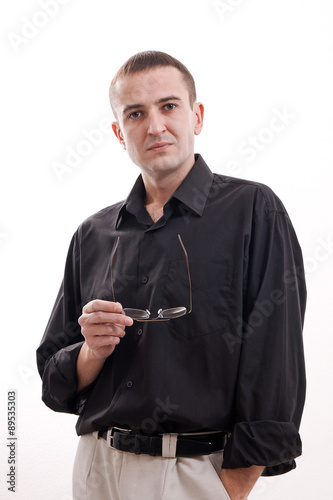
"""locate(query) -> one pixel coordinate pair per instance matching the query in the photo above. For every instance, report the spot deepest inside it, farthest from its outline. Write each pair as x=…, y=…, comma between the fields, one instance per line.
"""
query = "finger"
x=102, y=305
x=101, y=317
x=102, y=330
x=100, y=341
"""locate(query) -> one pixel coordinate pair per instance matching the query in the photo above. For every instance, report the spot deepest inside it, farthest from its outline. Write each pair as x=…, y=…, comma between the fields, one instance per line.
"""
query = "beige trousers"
x=103, y=473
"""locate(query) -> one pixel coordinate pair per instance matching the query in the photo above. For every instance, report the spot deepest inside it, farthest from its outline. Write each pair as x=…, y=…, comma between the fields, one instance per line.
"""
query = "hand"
x=103, y=326
x=239, y=482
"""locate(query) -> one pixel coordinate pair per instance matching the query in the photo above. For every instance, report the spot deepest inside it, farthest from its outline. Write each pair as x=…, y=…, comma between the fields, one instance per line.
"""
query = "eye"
x=170, y=106
x=134, y=115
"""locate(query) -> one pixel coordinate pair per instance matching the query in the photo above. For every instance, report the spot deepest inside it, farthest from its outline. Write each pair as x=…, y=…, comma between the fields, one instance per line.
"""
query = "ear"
x=198, y=109
x=118, y=133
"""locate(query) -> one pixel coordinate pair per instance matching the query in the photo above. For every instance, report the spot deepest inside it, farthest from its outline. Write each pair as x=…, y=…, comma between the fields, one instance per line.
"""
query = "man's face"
x=155, y=121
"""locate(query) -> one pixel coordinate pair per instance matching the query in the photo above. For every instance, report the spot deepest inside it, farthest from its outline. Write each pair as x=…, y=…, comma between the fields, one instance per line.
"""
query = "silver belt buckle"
x=110, y=433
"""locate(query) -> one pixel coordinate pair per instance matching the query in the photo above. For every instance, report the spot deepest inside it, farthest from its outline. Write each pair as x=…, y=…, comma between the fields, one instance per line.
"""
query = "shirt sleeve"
x=62, y=341
x=271, y=382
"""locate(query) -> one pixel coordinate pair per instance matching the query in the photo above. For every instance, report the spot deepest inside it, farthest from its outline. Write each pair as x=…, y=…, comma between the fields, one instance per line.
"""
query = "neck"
x=160, y=186
x=156, y=197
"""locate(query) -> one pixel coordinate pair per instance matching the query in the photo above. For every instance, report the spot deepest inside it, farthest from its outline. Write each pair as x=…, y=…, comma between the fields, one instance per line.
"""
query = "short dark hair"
x=149, y=59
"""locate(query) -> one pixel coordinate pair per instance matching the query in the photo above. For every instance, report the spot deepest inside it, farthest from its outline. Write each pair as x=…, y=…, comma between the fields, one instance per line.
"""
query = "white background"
x=249, y=58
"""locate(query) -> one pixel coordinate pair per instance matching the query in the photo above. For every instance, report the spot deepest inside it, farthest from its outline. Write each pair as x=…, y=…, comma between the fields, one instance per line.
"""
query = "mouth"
x=159, y=146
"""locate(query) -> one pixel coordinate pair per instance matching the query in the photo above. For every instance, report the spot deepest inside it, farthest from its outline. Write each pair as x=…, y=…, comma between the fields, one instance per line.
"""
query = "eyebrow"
x=160, y=101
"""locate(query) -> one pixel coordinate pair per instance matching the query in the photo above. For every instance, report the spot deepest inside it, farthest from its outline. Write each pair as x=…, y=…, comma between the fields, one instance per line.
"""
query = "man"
x=199, y=397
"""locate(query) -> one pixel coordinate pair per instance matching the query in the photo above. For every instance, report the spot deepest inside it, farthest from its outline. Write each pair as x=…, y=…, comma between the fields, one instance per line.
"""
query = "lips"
x=159, y=146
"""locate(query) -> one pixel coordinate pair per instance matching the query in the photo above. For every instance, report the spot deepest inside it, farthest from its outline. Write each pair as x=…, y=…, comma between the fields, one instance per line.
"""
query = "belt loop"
x=169, y=445
x=109, y=438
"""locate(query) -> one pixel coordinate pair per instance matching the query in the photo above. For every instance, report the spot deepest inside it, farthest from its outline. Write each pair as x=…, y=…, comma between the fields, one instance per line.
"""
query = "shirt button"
x=139, y=332
x=129, y=384
x=145, y=279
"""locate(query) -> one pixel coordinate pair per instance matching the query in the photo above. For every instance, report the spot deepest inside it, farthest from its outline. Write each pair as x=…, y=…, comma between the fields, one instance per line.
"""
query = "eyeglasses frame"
x=189, y=280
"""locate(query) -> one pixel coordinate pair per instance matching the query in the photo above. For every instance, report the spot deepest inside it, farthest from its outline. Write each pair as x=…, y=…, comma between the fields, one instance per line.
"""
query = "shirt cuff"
x=60, y=381
x=272, y=444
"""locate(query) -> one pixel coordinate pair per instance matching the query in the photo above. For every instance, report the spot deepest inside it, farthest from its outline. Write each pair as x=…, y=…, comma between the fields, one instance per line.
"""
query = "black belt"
x=187, y=445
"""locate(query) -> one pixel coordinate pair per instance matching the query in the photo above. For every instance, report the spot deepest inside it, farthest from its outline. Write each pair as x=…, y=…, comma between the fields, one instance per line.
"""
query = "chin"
x=165, y=165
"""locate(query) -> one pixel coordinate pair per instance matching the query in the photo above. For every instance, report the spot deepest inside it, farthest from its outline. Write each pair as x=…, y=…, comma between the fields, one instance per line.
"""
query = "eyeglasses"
x=162, y=314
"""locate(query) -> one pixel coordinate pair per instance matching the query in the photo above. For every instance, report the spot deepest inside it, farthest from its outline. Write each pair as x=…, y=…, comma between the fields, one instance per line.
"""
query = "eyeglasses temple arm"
x=187, y=265
x=111, y=267
x=188, y=270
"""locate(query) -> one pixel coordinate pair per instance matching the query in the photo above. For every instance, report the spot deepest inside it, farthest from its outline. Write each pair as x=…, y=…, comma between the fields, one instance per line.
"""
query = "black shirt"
x=235, y=363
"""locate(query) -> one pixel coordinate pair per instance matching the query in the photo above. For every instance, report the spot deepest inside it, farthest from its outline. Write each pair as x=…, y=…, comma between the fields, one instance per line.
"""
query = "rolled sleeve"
x=269, y=443
x=60, y=381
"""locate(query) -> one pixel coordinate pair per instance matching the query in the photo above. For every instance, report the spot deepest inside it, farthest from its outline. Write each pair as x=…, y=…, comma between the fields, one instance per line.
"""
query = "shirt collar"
x=192, y=192
x=195, y=188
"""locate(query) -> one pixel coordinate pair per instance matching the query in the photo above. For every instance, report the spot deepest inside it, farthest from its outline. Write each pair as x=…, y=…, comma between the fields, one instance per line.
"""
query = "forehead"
x=150, y=86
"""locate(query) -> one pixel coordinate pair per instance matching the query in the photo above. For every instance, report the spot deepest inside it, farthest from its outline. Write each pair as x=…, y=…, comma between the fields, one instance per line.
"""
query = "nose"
x=156, y=124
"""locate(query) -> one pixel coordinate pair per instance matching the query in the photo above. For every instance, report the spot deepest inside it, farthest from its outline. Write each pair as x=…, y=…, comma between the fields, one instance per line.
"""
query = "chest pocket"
x=211, y=284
